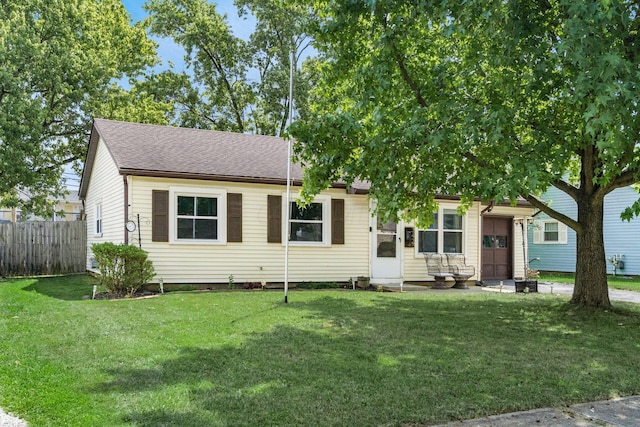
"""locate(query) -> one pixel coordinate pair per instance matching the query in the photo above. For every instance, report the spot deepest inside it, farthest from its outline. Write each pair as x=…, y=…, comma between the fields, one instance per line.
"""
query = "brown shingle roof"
x=151, y=150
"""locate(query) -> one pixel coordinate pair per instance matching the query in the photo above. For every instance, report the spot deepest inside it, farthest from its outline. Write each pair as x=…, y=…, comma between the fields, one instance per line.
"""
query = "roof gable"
x=165, y=151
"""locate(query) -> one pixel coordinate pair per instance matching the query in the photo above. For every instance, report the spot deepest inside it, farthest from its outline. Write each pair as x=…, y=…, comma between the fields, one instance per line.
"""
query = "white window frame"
x=440, y=231
x=539, y=227
x=556, y=232
x=326, y=221
x=219, y=194
x=98, y=224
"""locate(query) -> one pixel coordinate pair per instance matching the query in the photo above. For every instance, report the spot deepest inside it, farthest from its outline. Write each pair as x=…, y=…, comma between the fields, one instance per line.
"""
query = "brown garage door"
x=497, y=259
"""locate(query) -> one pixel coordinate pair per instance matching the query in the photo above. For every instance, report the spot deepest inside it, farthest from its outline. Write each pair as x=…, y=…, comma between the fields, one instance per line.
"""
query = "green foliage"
x=220, y=91
x=317, y=285
x=482, y=99
x=58, y=64
x=123, y=268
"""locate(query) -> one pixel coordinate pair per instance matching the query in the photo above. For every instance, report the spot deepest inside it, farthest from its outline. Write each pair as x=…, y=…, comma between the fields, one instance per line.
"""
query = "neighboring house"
x=207, y=205
x=71, y=208
x=67, y=209
x=552, y=245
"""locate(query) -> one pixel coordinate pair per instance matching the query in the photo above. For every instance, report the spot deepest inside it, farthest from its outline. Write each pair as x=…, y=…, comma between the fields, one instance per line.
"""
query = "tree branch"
x=625, y=179
x=569, y=222
x=57, y=164
x=407, y=78
x=565, y=187
x=403, y=70
x=299, y=45
x=223, y=75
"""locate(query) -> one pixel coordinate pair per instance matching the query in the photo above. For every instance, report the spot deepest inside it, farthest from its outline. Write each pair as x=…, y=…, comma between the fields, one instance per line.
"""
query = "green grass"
x=330, y=357
x=629, y=283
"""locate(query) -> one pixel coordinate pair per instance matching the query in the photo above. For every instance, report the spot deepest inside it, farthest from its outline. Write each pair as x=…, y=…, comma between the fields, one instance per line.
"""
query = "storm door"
x=386, y=257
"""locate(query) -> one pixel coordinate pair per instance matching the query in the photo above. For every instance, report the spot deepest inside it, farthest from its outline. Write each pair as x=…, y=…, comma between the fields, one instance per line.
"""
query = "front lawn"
x=329, y=357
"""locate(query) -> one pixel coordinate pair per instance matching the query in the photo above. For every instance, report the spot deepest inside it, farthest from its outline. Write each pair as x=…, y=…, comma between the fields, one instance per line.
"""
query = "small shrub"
x=123, y=268
x=252, y=285
x=318, y=285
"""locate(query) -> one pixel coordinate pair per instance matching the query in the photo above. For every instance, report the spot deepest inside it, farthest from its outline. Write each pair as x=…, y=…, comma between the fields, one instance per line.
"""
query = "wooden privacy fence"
x=41, y=248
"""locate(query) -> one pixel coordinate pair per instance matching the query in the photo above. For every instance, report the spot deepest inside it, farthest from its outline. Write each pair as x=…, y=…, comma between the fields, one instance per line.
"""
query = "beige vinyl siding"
x=415, y=269
x=253, y=259
x=107, y=188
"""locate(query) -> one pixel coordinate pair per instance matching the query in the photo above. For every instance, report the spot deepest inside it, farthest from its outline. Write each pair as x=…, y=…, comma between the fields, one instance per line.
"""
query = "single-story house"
x=207, y=205
x=552, y=245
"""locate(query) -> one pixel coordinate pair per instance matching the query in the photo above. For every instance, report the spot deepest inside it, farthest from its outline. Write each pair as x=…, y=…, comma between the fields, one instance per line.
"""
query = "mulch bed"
x=138, y=295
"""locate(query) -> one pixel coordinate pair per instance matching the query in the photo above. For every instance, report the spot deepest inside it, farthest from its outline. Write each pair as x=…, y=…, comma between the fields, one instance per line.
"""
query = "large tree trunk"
x=591, y=288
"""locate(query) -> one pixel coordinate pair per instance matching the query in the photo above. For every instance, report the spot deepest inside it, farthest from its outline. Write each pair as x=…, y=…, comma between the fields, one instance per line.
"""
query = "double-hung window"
x=549, y=231
x=306, y=223
x=310, y=225
x=97, y=212
x=451, y=231
x=428, y=239
x=444, y=235
x=198, y=216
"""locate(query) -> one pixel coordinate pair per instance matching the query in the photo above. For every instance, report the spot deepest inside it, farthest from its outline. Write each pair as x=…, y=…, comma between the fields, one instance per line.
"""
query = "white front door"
x=386, y=262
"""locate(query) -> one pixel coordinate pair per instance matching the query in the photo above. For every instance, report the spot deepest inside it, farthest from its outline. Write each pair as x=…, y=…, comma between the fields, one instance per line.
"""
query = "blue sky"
x=169, y=51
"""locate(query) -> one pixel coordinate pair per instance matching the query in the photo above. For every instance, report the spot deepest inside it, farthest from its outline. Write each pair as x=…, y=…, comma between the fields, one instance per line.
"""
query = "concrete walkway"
x=624, y=412
x=509, y=287
x=7, y=420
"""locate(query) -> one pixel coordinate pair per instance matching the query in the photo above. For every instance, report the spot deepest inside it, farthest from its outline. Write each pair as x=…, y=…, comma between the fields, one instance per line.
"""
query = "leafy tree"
x=280, y=30
x=58, y=64
x=483, y=98
x=140, y=103
x=231, y=84
x=217, y=58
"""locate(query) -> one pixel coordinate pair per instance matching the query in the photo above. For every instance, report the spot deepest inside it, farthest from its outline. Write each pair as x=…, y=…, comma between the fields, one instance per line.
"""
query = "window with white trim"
x=428, y=239
x=444, y=235
x=549, y=231
x=197, y=215
x=306, y=223
x=97, y=212
x=310, y=224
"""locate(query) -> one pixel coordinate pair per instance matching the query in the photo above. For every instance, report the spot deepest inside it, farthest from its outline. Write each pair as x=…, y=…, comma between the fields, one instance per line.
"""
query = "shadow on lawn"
x=396, y=361
x=68, y=288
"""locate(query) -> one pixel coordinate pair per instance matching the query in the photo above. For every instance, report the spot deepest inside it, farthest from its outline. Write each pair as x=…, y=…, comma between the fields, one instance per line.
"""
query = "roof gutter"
x=126, y=208
x=227, y=178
